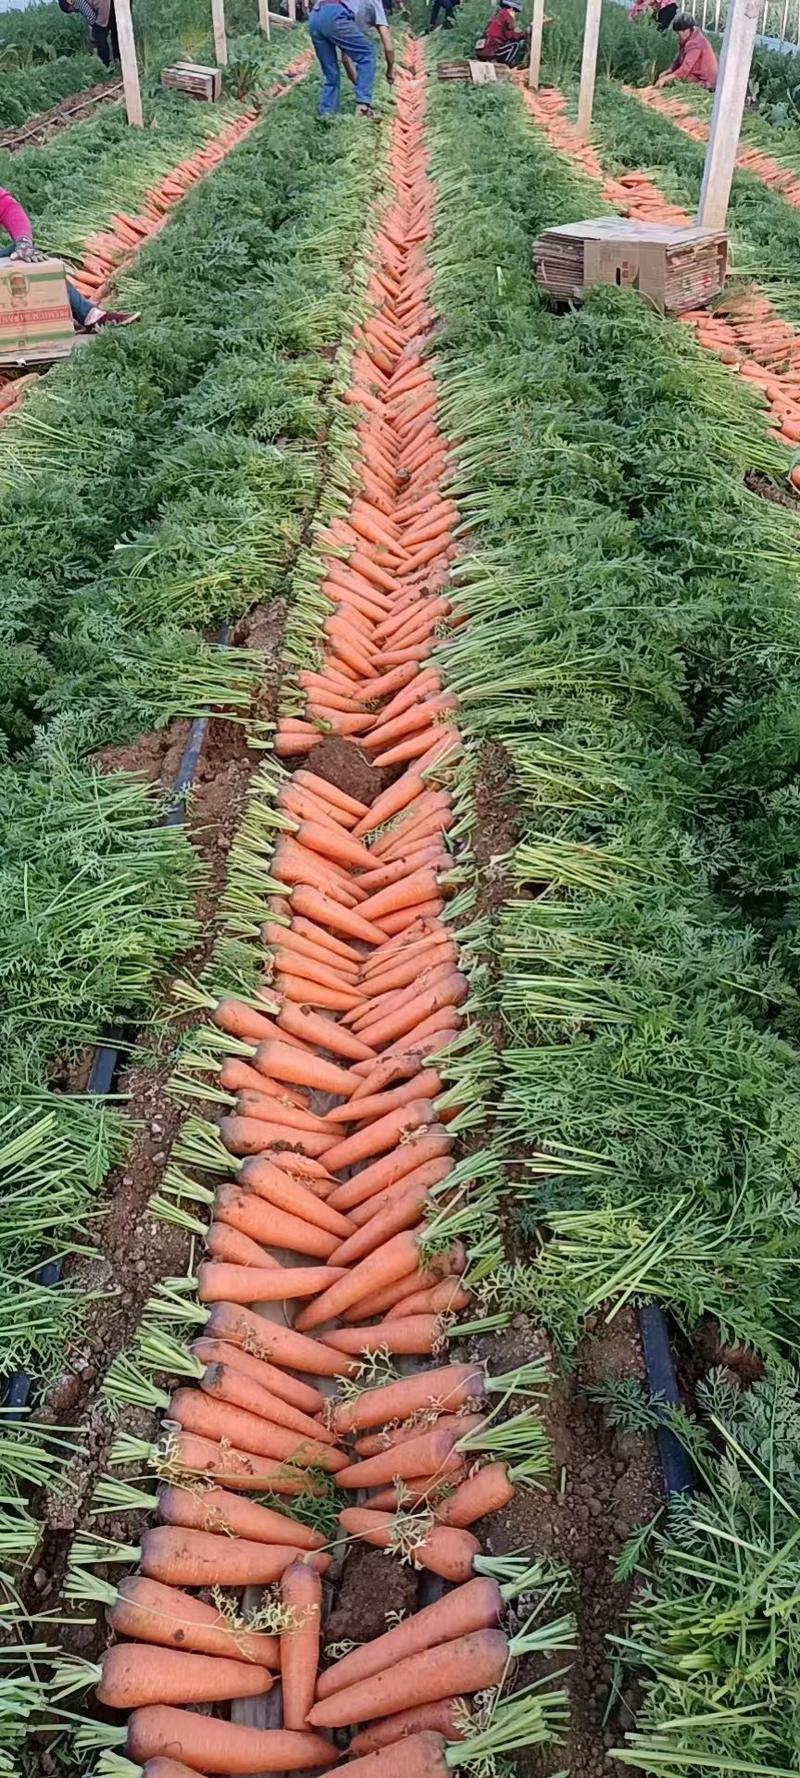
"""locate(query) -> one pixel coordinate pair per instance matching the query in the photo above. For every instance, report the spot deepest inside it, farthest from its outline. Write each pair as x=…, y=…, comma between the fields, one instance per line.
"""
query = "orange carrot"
x=398, y=1256
x=244, y=1209
x=446, y=1717
x=445, y=1298
x=445, y=992
x=216, y=1509
x=218, y=1282
x=236, y=1076
x=207, y=1744
x=301, y=1593
x=428, y=1143
x=225, y=1243
x=453, y=1386
x=133, y=1673
x=183, y=1558
x=428, y=1453
x=290, y=1060
x=403, y=1208
x=385, y=1133
x=149, y=1612
x=289, y=1194
x=476, y=1606
x=243, y=1471
x=398, y=796
x=330, y=793
x=313, y=1029
x=470, y=1662
x=273, y=1108
x=427, y=1085
x=251, y=1135
x=412, y=1335
x=200, y=1414
x=241, y=1021
x=441, y=1550
x=487, y=1490
x=327, y=941
x=277, y=1345
x=416, y=1756
x=321, y=907
x=303, y=990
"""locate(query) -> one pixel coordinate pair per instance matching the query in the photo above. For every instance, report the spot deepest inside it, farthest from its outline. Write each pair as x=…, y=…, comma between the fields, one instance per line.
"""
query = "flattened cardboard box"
x=674, y=266
x=35, y=317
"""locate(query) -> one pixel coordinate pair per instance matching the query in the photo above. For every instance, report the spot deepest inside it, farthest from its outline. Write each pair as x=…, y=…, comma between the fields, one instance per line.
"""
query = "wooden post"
x=591, y=37
x=293, y=12
x=263, y=19
x=535, y=61
x=220, y=39
x=128, y=63
x=726, y=117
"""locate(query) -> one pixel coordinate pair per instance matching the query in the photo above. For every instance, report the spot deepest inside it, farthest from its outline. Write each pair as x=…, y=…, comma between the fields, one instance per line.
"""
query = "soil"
x=770, y=490
x=495, y=831
x=371, y=1587
x=348, y=767
x=603, y=1484
x=61, y=116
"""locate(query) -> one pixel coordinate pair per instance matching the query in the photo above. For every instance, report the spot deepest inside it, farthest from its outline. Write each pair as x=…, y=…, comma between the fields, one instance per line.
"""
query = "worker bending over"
x=86, y=315
x=102, y=26
x=663, y=14
x=695, y=60
x=501, y=41
x=340, y=27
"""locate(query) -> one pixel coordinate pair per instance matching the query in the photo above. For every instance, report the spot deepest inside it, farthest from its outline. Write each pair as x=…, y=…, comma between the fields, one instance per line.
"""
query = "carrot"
x=468, y=1663
x=427, y=1453
x=487, y=1490
x=301, y=1593
x=288, y=1194
x=149, y=1612
x=182, y=1558
x=239, y=1020
x=316, y=905
x=427, y=1085
x=428, y=1143
x=453, y=1386
x=305, y=991
x=477, y=1605
x=445, y=1717
x=289, y=1389
x=236, y=1249
x=412, y=1335
x=323, y=1033
x=403, y=1208
x=248, y=1212
x=289, y=939
x=400, y=1067
x=198, y=1413
x=392, y=1261
x=292, y=959
x=384, y=1134
x=216, y=1509
x=327, y=941
x=441, y=1550
x=289, y=1060
x=133, y=1673
x=446, y=1297
x=391, y=802
x=207, y=1744
x=218, y=1282
x=227, y=1382
x=236, y=1077
x=213, y=1461
x=167, y=1768
x=448, y=990
x=274, y=1108
x=278, y=1345
x=381, y=1301
x=330, y=793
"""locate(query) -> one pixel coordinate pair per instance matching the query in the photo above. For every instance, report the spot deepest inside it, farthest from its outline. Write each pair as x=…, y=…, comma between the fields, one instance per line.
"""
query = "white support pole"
x=263, y=19
x=128, y=63
x=591, y=37
x=293, y=11
x=218, y=27
x=726, y=117
x=535, y=59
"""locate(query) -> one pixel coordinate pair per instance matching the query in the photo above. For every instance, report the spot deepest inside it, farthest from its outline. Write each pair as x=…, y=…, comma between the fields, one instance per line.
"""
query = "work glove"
x=25, y=250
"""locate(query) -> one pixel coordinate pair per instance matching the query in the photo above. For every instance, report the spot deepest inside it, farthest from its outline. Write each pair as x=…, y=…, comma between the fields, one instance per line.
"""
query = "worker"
x=99, y=16
x=446, y=8
x=695, y=60
x=340, y=27
x=88, y=317
x=663, y=15
x=501, y=41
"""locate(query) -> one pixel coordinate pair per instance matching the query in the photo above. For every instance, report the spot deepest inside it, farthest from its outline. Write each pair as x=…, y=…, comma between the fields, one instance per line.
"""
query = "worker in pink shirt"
x=86, y=315
x=695, y=60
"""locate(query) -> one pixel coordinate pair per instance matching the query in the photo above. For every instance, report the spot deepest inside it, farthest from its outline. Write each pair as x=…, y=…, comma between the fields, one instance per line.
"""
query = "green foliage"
x=30, y=90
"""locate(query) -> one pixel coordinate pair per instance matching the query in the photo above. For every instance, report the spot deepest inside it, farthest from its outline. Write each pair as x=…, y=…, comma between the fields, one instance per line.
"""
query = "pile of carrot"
x=109, y=252
x=364, y=994
x=744, y=331
x=751, y=160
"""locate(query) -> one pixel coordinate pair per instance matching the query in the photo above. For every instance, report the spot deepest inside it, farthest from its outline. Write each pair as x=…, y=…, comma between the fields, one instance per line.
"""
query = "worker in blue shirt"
x=340, y=27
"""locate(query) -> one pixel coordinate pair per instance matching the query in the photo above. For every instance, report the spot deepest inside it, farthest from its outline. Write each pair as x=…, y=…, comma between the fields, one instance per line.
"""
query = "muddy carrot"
x=183, y=1558
x=278, y=1345
x=468, y=1663
x=217, y=1509
x=477, y=1605
x=197, y=1413
x=447, y=1717
x=218, y=1282
x=209, y=1745
x=301, y=1593
x=399, y=1256
x=147, y=1611
x=290, y=1195
x=248, y=1212
x=133, y=1673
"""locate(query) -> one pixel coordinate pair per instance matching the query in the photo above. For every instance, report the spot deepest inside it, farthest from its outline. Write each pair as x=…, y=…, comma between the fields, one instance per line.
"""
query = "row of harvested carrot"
x=363, y=993
x=107, y=253
x=751, y=159
x=743, y=330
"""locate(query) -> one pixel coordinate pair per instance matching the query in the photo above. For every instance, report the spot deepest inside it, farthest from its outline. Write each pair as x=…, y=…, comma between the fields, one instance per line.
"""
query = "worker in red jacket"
x=695, y=60
x=86, y=315
x=501, y=41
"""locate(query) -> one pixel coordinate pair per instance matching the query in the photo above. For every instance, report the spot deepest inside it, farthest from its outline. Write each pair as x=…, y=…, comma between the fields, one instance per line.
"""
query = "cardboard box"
x=676, y=268
x=35, y=321
x=193, y=78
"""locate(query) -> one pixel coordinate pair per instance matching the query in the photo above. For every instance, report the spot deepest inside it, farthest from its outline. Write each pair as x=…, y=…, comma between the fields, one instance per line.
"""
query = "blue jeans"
x=79, y=305
x=333, y=28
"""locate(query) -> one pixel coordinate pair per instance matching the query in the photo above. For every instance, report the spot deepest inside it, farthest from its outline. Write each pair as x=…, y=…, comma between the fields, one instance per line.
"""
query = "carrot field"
x=400, y=869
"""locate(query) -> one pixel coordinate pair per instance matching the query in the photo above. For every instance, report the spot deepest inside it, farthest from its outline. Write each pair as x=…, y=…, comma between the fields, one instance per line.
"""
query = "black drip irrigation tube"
x=676, y=1466
x=107, y=1054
